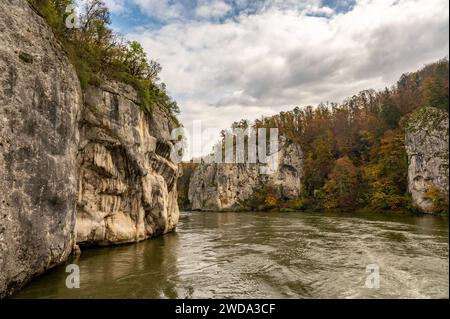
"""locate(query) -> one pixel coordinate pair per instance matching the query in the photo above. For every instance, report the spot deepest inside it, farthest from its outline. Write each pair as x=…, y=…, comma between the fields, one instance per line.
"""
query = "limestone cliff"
x=427, y=139
x=40, y=99
x=87, y=167
x=127, y=185
x=215, y=187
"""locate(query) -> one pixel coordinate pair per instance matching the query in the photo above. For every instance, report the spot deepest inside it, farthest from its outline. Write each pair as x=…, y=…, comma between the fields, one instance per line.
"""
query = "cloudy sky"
x=224, y=60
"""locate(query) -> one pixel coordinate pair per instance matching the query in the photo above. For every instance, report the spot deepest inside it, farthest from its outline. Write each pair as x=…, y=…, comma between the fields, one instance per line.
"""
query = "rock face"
x=427, y=139
x=127, y=185
x=215, y=187
x=91, y=169
x=40, y=99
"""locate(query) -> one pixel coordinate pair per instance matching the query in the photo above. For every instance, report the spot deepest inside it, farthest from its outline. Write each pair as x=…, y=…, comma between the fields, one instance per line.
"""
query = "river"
x=268, y=255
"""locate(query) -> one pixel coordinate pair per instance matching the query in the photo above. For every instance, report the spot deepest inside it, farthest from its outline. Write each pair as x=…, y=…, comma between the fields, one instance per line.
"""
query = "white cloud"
x=214, y=9
x=323, y=11
x=263, y=63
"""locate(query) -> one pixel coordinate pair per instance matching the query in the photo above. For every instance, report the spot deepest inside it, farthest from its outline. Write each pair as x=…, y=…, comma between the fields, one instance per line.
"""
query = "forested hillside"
x=354, y=152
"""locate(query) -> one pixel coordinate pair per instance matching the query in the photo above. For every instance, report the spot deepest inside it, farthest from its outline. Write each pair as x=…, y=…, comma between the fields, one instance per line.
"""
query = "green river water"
x=267, y=255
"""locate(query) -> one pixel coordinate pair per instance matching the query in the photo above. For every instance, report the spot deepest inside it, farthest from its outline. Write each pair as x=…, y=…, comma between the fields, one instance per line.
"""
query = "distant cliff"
x=215, y=187
x=86, y=166
x=427, y=140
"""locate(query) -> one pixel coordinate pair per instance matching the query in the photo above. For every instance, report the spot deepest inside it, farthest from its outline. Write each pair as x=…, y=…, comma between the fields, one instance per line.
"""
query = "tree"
x=317, y=165
x=390, y=112
x=436, y=94
x=340, y=190
x=54, y=11
x=137, y=63
x=95, y=19
x=386, y=175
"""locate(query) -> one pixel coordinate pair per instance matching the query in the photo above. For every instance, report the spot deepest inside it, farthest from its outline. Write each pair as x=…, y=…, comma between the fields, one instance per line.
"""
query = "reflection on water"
x=267, y=255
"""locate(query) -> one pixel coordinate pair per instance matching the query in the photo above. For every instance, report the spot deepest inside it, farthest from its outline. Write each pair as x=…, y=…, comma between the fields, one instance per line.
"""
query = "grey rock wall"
x=215, y=187
x=127, y=186
x=427, y=139
x=88, y=168
x=40, y=99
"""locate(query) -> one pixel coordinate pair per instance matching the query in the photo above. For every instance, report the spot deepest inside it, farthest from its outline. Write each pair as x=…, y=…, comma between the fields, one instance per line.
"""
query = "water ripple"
x=268, y=255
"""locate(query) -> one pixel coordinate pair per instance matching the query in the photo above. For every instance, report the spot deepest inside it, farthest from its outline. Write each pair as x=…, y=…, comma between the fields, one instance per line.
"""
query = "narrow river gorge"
x=267, y=255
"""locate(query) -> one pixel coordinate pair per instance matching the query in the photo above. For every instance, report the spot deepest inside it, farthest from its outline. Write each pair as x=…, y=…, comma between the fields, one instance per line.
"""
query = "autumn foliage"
x=354, y=151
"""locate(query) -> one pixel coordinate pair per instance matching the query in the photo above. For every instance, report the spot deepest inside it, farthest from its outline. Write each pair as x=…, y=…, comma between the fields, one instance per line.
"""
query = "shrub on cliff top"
x=426, y=117
x=95, y=51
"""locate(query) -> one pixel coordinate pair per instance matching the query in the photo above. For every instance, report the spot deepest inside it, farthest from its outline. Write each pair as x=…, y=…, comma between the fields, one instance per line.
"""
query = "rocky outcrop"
x=427, y=138
x=215, y=187
x=40, y=99
x=127, y=184
x=88, y=168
